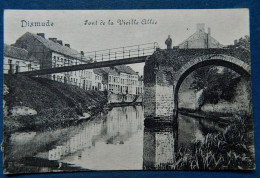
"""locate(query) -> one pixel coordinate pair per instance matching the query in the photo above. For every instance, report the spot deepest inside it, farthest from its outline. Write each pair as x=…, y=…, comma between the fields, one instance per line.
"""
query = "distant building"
x=17, y=60
x=110, y=79
x=140, y=85
x=98, y=85
x=103, y=72
x=128, y=79
x=113, y=81
x=120, y=80
x=52, y=53
x=201, y=39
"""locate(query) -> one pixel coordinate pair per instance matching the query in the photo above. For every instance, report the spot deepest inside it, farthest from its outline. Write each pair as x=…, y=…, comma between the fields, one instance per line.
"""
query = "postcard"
x=95, y=90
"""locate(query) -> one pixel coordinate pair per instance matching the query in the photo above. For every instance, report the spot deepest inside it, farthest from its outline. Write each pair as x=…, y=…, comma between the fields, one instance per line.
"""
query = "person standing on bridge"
x=168, y=42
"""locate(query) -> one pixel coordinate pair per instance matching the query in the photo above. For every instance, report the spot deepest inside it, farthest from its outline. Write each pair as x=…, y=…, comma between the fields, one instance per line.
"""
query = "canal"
x=113, y=140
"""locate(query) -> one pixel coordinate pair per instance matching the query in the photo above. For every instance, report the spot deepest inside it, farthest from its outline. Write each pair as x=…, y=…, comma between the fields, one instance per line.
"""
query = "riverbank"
x=232, y=149
x=32, y=103
x=25, y=151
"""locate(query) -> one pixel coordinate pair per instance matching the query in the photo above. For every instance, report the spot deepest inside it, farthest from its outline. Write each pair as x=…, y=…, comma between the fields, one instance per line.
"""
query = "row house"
x=128, y=79
x=108, y=79
x=98, y=85
x=17, y=60
x=140, y=86
x=120, y=80
x=114, y=81
x=51, y=53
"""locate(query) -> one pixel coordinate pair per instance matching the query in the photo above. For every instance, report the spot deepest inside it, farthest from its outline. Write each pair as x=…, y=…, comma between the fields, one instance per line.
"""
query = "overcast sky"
x=226, y=26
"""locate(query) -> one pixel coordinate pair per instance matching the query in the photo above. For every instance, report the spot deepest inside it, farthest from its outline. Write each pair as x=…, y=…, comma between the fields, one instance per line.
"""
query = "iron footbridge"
x=104, y=58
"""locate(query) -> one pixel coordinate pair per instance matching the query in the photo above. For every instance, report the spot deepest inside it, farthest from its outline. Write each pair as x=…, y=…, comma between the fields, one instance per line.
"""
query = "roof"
x=113, y=72
x=98, y=71
x=198, y=35
x=14, y=52
x=105, y=71
x=56, y=47
x=125, y=69
x=118, y=69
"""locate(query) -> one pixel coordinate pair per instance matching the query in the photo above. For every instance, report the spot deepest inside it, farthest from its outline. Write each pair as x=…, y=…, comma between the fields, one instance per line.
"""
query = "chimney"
x=82, y=53
x=59, y=41
x=209, y=31
x=235, y=42
x=53, y=39
x=200, y=27
x=41, y=35
x=68, y=45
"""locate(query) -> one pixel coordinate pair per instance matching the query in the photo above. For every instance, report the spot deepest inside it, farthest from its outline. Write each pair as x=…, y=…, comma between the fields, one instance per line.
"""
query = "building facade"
x=52, y=53
x=200, y=39
x=139, y=89
x=128, y=79
x=17, y=60
x=121, y=80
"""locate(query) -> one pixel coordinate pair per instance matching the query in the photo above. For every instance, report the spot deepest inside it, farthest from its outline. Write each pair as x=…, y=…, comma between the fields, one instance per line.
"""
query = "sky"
x=226, y=26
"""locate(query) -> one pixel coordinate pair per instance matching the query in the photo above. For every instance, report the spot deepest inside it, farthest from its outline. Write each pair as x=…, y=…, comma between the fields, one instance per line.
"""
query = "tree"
x=216, y=82
x=244, y=42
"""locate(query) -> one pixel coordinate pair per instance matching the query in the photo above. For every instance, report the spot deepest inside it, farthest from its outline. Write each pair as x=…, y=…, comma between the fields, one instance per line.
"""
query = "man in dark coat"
x=168, y=42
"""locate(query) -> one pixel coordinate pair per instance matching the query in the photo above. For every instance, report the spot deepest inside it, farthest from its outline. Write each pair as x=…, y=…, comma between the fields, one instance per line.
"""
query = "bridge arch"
x=233, y=63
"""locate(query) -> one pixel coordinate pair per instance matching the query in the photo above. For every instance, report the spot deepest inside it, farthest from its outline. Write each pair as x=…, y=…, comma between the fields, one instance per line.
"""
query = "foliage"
x=227, y=150
x=216, y=84
x=54, y=102
x=244, y=42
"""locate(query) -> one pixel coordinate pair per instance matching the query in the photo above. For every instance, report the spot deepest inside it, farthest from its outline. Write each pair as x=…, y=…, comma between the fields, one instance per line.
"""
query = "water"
x=116, y=140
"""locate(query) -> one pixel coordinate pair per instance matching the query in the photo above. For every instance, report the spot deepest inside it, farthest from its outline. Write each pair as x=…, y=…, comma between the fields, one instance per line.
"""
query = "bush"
x=227, y=150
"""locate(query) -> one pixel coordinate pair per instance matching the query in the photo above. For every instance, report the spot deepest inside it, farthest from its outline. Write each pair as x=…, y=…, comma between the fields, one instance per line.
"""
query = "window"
x=10, y=61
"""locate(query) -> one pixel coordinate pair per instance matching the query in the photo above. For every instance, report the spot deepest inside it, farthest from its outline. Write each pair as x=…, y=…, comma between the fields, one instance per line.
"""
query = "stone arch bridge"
x=165, y=70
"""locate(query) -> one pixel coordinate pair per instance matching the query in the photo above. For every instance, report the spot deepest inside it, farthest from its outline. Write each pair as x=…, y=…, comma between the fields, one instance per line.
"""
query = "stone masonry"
x=165, y=70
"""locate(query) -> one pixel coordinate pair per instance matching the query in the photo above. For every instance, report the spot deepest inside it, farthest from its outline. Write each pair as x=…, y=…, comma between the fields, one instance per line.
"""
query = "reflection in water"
x=159, y=147
x=162, y=143
x=189, y=130
x=116, y=140
x=112, y=141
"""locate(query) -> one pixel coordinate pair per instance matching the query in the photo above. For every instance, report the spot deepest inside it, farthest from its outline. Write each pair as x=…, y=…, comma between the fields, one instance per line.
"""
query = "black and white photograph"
x=95, y=90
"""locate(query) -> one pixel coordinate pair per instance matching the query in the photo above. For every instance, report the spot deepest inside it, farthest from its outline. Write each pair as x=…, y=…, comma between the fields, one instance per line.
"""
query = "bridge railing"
x=125, y=52
x=122, y=52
